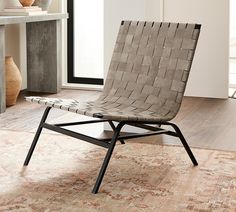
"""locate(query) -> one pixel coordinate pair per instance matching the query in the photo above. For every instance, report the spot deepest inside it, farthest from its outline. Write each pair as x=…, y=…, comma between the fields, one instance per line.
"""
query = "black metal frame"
x=70, y=39
x=108, y=143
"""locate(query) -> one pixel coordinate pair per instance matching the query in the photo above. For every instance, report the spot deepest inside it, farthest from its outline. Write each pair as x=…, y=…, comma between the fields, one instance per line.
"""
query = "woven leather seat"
x=145, y=85
x=147, y=75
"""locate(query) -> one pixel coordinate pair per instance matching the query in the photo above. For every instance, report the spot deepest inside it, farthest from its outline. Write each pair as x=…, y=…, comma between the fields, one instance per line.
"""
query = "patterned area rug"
x=141, y=177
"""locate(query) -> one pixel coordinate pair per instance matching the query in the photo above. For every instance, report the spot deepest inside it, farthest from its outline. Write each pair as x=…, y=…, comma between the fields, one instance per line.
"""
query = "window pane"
x=88, y=38
x=232, y=28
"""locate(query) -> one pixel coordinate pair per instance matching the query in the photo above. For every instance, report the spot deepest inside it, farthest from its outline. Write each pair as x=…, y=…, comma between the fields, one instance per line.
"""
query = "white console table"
x=43, y=39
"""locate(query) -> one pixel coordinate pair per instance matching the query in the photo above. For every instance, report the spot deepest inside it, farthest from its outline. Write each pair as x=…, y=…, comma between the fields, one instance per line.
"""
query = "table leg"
x=44, y=65
x=2, y=70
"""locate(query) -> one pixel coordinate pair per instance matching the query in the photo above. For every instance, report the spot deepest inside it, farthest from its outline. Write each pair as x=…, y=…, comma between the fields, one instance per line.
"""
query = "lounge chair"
x=144, y=87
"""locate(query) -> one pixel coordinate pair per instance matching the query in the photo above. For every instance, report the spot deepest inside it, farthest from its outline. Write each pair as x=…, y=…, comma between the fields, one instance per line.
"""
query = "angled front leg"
x=36, y=137
x=107, y=158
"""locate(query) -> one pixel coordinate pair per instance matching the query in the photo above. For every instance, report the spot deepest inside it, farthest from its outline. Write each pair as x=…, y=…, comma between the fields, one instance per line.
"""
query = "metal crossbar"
x=79, y=123
x=139, y=135
x=73, y=134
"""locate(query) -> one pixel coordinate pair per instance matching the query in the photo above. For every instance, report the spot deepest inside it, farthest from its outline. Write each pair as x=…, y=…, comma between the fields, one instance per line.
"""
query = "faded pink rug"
x=140, y=177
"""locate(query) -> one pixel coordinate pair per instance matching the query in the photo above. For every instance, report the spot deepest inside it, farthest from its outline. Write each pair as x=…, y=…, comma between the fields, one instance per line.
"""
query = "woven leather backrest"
x=150, y=65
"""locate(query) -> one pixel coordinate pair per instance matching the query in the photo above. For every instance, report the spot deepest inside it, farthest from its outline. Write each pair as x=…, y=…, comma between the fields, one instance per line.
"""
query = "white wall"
x=209, y=74
x=154, y=10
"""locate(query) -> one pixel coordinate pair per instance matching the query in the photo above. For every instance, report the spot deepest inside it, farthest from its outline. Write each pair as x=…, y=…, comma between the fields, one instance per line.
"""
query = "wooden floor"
x=206, y=123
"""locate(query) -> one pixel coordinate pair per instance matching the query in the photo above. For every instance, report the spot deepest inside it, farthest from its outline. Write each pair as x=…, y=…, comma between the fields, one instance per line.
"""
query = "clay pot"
x=26, y=3
x=13, y=81
x=44, y=4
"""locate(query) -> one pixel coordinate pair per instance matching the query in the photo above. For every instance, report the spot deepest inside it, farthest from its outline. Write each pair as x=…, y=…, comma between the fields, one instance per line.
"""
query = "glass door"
x=85, y=42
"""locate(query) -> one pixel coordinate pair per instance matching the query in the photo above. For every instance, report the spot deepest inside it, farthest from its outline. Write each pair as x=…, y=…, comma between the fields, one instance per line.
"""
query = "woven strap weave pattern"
x=147, y=75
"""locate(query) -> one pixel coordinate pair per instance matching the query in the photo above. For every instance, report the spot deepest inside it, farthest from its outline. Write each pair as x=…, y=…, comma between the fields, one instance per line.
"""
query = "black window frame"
x=70, y=56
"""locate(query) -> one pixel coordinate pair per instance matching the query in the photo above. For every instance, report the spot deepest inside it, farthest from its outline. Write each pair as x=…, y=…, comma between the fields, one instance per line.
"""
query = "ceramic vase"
x=44, y=4
x=13, y=81
x=26, y=3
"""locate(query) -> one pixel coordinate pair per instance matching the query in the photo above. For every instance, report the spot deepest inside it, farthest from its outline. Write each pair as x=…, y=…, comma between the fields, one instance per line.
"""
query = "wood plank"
x=44, y=66
x=4, y=20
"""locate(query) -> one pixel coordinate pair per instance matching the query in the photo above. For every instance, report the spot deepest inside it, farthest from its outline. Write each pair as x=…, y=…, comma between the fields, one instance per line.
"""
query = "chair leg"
x=113, y=128
x=183, y=141
x=122, y=141
x=36, y=137
x=107, y=158
x=185, y=144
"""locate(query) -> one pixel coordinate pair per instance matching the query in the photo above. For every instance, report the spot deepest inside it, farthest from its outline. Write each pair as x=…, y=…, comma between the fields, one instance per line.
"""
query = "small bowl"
x=26, y=3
